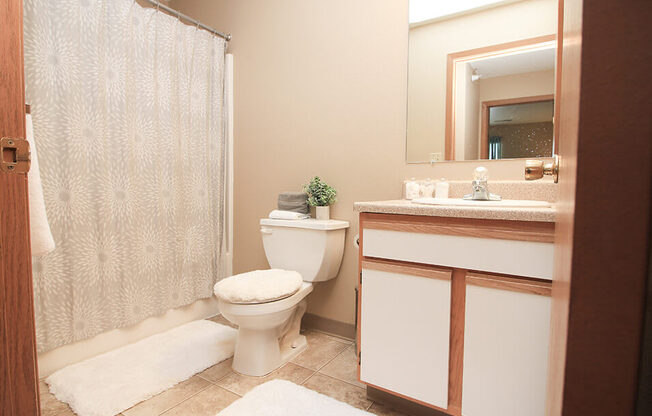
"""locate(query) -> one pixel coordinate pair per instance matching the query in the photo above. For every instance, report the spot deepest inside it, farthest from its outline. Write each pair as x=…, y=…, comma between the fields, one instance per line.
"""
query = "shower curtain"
x=128, y=113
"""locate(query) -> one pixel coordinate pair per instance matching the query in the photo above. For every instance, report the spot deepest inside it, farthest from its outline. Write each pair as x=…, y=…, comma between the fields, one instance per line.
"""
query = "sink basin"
x=505, y=203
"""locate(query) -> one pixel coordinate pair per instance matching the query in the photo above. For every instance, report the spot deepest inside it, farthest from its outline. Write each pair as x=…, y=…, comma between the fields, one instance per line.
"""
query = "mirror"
x=481, y=80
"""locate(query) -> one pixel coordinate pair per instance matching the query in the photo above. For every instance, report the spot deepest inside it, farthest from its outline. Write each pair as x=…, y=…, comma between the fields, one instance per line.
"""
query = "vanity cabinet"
x=454, y=313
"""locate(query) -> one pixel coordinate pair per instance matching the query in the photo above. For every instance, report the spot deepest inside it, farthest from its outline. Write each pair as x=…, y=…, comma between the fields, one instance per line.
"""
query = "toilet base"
x=258, y=352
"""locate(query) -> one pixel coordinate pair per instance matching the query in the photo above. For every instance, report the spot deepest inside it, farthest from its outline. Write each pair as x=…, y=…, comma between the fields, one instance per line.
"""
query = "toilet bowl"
x=268, y=328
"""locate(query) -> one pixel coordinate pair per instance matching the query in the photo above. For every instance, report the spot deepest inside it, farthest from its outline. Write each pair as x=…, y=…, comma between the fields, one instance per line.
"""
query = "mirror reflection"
x=481, y=81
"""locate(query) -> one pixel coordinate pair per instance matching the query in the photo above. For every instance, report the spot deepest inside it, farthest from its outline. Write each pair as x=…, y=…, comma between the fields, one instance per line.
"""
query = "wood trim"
x=519, y=100
x=402, y=396
x=558, y=68
x=500, y=48
x=401, y=404
x=484, y=131
x=484, y=127
x=359, y=311
x=466, y=227
x=456, y=351
x=453, y=58
x=449, y=132
x=401, y=267
x=18, y=370
x=514, y=284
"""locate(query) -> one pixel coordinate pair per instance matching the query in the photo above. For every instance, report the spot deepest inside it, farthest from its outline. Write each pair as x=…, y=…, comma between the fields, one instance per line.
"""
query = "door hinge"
x=16, y=156
x=360, y=358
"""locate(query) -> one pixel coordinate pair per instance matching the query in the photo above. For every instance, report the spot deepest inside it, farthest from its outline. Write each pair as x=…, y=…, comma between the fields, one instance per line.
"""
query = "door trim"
x=484, y=126
x=18, y=369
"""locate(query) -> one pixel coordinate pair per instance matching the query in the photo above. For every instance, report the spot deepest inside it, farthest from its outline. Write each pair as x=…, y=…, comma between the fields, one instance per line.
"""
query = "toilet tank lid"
x=307, y=223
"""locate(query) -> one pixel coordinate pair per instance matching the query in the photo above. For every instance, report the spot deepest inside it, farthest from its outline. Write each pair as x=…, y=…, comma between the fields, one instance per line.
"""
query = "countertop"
x=406, y=207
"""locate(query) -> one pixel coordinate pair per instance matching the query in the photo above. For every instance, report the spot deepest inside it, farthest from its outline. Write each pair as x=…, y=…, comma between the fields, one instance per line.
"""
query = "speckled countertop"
x=406, y=207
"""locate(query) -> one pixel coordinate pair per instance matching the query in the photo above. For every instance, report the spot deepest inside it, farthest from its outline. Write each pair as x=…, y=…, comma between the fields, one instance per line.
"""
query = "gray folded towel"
x=293, y=201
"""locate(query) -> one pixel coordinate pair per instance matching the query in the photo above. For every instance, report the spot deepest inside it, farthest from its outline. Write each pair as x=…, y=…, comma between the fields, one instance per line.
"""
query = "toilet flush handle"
x=265, y=230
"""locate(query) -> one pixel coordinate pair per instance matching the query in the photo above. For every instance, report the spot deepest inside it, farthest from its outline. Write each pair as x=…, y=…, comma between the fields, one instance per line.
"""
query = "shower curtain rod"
x=180, y=15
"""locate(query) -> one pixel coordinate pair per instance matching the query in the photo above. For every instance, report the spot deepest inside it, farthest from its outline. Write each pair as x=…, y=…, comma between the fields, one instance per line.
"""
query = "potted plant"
x=320, y=196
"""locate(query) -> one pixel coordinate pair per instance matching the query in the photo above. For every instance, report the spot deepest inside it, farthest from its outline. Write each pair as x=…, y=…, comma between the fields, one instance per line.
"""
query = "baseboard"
x=400, y=404
x=51, y=361
x=329, y=326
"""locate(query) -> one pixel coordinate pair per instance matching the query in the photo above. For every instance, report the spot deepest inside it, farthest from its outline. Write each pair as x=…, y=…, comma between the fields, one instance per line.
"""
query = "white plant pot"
x=323, y=213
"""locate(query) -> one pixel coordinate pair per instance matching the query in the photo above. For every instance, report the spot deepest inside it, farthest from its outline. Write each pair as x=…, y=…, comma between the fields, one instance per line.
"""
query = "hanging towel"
x=277, y=214
x=40, y=234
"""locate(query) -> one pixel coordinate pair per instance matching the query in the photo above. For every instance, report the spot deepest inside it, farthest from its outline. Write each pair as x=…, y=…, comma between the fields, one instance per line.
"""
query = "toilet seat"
x=256, y=309
x=259, y=286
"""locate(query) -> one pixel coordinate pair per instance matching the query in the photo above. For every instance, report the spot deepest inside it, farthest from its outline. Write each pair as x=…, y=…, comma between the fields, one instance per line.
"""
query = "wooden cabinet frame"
x=491, y=229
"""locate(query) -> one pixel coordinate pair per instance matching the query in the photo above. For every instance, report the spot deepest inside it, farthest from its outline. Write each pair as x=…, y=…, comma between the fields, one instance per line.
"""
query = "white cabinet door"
x=404, y=333
x=506, y=339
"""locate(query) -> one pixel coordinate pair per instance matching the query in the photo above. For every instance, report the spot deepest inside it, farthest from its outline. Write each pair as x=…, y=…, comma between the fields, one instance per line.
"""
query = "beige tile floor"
x=328, y=366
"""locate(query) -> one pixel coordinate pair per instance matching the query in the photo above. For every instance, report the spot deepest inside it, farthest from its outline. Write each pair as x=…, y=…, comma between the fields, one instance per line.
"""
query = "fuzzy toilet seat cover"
x=258, y=286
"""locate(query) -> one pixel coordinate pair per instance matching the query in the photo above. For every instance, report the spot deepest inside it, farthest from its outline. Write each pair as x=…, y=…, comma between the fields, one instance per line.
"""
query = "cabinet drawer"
x=514, y=257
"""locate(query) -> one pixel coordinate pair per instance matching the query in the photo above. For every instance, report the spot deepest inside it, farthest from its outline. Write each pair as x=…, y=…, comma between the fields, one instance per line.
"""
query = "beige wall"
x=466, y=114
x=429, y=46
x=517, y=85
x=320, y=89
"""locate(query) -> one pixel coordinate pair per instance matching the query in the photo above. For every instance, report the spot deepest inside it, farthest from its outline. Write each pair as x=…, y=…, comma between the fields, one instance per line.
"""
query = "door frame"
x=453, y=59
x=19, y=393
x=486, y=105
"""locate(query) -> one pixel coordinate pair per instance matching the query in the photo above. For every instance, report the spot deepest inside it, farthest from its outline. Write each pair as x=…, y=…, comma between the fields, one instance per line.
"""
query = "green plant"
x=320, y=194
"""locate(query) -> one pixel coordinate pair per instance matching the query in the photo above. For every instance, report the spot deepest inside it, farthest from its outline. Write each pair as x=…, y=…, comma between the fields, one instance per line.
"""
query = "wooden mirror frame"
x=484, y=52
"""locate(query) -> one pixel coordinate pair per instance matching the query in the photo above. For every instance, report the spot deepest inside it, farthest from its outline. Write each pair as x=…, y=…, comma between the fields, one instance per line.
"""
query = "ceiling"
x=517, y=63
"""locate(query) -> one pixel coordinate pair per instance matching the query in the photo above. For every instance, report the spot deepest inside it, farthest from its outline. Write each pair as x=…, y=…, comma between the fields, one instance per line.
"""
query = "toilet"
x=267, y=305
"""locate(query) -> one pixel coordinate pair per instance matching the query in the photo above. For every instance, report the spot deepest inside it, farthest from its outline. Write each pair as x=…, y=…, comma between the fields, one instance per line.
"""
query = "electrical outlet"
x=436, y=157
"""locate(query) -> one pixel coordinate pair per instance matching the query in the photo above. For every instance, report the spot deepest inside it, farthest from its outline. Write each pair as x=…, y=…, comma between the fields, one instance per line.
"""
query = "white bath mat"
x=283, y=398
x=112, y=382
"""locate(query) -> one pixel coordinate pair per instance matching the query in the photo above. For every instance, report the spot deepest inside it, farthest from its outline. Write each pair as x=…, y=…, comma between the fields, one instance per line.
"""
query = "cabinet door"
x=404, y=331
x=506, y=336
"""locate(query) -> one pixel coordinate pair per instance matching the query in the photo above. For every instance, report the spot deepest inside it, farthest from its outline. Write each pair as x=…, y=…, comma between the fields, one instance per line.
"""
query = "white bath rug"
x=112, y=382
x=283, y=398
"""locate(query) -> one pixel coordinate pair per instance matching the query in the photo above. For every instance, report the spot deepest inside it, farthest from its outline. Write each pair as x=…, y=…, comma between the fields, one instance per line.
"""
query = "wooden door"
x=18, y=373
x=603, y=226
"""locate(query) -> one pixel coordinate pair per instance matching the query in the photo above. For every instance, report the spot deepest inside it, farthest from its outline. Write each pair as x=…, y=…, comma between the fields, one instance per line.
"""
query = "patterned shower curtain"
x=128, y=113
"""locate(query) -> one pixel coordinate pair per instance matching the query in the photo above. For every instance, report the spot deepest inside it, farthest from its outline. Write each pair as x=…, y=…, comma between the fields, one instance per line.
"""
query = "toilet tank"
x=314, y=248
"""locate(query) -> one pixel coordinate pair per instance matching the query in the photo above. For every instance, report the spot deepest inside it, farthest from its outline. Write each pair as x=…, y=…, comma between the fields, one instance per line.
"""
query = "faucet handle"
x=535, y=169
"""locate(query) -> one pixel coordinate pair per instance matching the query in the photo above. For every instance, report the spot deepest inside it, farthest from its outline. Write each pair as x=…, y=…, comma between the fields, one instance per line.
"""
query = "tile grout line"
x=187, y=398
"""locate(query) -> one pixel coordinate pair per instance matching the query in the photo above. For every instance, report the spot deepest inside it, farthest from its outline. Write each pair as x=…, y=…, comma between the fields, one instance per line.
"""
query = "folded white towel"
x=40, y=234
x=278, y=214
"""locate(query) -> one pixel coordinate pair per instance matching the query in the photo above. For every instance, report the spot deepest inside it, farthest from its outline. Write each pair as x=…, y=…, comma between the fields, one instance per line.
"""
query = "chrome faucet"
x=480, y=187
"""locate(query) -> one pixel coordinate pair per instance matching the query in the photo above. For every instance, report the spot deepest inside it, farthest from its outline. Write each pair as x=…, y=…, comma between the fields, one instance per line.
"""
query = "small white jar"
x=426, y=188
x=411, y=189
x=441, y=189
